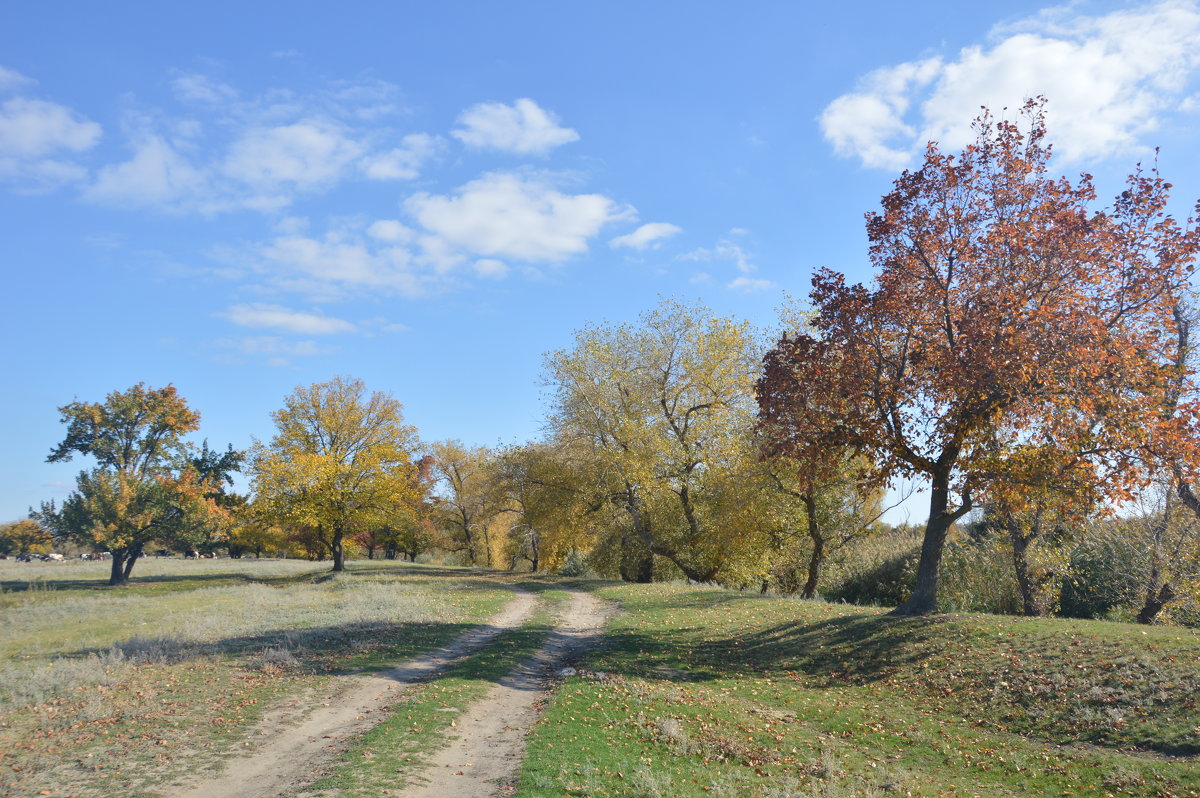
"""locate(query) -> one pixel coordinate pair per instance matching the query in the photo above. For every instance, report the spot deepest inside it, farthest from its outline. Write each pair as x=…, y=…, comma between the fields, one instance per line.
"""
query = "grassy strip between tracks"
x=382, y=760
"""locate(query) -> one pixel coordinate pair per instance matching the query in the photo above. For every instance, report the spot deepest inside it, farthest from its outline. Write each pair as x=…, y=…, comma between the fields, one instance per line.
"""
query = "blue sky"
x=241, y=198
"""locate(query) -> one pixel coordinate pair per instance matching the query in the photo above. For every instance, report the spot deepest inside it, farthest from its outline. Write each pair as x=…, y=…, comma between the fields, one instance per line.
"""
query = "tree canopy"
x=144, y=487
x=1005, y=313
x=340, y=460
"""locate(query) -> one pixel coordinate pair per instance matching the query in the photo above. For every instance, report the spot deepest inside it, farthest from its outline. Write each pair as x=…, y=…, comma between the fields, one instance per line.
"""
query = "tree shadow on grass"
x=304, y=649
x=848, y=649
x=856, y=649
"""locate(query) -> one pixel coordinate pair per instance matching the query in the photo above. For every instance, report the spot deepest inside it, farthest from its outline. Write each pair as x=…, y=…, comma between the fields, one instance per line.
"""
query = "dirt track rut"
x=486, y=757
x=292, y=753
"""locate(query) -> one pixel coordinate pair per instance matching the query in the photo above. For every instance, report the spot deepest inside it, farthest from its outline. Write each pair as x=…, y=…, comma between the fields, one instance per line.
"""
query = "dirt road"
x=298, y=740
x=486, y=757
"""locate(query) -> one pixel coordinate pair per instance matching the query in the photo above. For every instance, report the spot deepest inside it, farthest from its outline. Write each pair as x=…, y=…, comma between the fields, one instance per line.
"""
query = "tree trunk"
x=637, y=564
x=117, y=577
x=642, y=570
x=1155, y=601
x=131, y=558
x=818, y=552
x=1025, y=581
x=923, y=601
x=339, y=552
x=1158, y=590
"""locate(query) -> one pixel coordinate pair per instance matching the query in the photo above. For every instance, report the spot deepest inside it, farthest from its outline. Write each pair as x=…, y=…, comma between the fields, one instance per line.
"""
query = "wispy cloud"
x=281, y=318
x=39, y=139
x=235, y=152
x=727, y=250
x=273, y=350
x=648, y=236
x=403, y=162
x=10, y=80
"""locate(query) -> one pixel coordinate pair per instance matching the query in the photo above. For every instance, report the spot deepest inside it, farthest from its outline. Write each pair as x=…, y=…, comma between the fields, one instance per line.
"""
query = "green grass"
x=698, y=691
x=114, y=691
x=381, y=761
x=711, y=692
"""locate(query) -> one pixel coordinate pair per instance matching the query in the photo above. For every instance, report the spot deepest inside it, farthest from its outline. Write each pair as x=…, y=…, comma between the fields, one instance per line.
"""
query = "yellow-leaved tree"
x=340, y=460
x=666, y=409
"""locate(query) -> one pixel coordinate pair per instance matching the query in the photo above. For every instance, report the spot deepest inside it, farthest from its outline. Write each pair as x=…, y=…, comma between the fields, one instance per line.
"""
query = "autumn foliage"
x=144, y=487
x=1011, y=329
x=339, y=462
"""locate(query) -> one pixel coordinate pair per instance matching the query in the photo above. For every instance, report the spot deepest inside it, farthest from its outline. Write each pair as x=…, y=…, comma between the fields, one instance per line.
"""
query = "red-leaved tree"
x=1005, y=314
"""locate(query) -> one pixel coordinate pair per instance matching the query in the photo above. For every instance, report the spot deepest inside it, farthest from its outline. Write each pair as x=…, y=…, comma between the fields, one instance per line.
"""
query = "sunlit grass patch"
x=711, y=692
x=157, y=684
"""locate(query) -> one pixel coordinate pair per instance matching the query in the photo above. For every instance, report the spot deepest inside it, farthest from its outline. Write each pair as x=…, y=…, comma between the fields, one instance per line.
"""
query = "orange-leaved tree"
x=1005, y=313
x=144, y=487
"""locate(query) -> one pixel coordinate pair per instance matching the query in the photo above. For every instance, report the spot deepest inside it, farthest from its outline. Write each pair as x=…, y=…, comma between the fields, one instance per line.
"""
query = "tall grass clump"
x=879, y=570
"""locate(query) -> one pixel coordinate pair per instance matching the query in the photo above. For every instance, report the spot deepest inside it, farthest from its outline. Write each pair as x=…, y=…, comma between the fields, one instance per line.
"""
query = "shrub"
x=574, y=565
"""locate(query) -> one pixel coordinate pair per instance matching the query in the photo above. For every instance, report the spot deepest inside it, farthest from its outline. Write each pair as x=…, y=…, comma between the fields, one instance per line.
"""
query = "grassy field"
x=709, y=692
x=110, y=691
x=697, y=691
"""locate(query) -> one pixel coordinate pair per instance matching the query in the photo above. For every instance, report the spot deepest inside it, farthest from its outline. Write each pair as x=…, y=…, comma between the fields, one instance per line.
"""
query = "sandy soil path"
x=485, y=759
x=298, y=740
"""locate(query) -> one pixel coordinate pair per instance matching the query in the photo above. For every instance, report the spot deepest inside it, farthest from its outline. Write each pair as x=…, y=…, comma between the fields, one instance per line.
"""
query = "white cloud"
x=403, y=162
x=864, y=122
x=35, y=128
x=381, y=324
x=648, y=236
x=523, y=128
x=157, y=175
x=1109, y=80
x=279, y=352
x=11, y=79
x=491, y=268
x=726, y=250
x=391, y=231
x=264, y=169
x=517, y=216
x=476, y=232
x=339, y=263
x=291, y=225
x=199, y=88
x=281, y=318
x=745, y=283
x=34, y=137
x=306, y=154
x=261, y=152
